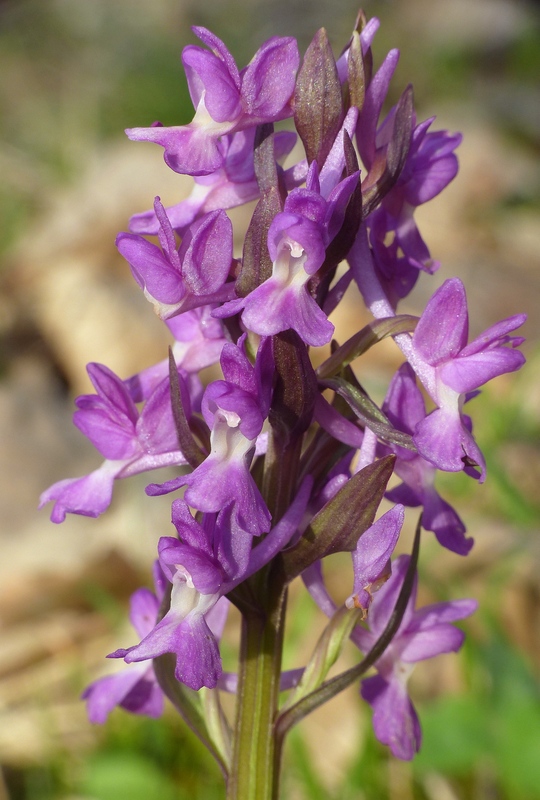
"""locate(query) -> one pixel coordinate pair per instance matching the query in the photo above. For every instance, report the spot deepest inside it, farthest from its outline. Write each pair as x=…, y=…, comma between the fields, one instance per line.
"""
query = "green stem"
x=254, y=771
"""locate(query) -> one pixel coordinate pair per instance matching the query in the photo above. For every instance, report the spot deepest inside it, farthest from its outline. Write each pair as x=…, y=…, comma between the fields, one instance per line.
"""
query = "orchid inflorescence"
x=283, y=464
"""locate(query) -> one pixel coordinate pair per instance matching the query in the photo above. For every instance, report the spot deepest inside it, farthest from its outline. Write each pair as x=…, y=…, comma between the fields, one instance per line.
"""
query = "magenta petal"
x=442, y=439
x=157, y=489
x=429, y=181
x=272, y=308
x=214, y=484
x=111, y=390
x=189, y=150
x=228, y=397
x=152, y=271
x=440, y=517
x=221, y=98
x=146, y=697
x=180, y=215
x=112, y=439
x=374, y=100
x=144, y=607
x=205, y=575
x=395, y=721
x=404, y=403
x=336, y=425
x=372, y=555
x=443, y=327
x=441, y=613
x=206, y=253
x=155, y=428
x=134, y=688
x=189, y=530
x=465, y=373
x=89, y=496
x=268, y=81
x=220, y=49
x=385, y=600
x=429, y=643
x=496, y=334
x=198, y=662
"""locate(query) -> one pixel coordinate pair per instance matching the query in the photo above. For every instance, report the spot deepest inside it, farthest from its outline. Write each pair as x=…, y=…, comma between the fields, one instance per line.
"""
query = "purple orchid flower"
x=210, y=558
x=404, y=407
x=135, y=688
x=430, y=166
x=451, y=369
x=232, y=185
x=176, y=280
x=297, y=241
x=234, y=410
x=131, y=441
x=297, y=247
x=423, y=634
x=196, y=578
x=225, y=100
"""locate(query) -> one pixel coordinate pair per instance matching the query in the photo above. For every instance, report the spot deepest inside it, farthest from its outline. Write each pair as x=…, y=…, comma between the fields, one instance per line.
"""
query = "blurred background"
x=73, y=75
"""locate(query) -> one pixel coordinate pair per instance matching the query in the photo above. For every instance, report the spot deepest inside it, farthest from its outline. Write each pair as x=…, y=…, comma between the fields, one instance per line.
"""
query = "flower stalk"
x=255, y=768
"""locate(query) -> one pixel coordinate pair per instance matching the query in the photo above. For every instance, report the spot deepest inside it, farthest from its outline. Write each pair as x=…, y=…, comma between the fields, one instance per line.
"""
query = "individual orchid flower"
x=234, y=410
x=297, y=241
x=135, y=688
x=176, y=280
x=231, y=185
x=398, y=248
x=451, y=369
x=422, y=634
x=404, y=406
x=131, y=441
x=205, y=563
x=226, y=100
x=296, y=244
x=196, y=578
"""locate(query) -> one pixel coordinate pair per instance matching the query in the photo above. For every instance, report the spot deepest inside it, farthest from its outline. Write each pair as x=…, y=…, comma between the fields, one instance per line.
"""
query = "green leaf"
x=341, y=522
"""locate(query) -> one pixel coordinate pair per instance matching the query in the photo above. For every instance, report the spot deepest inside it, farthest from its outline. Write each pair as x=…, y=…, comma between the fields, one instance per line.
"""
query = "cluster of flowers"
x=351, y=198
